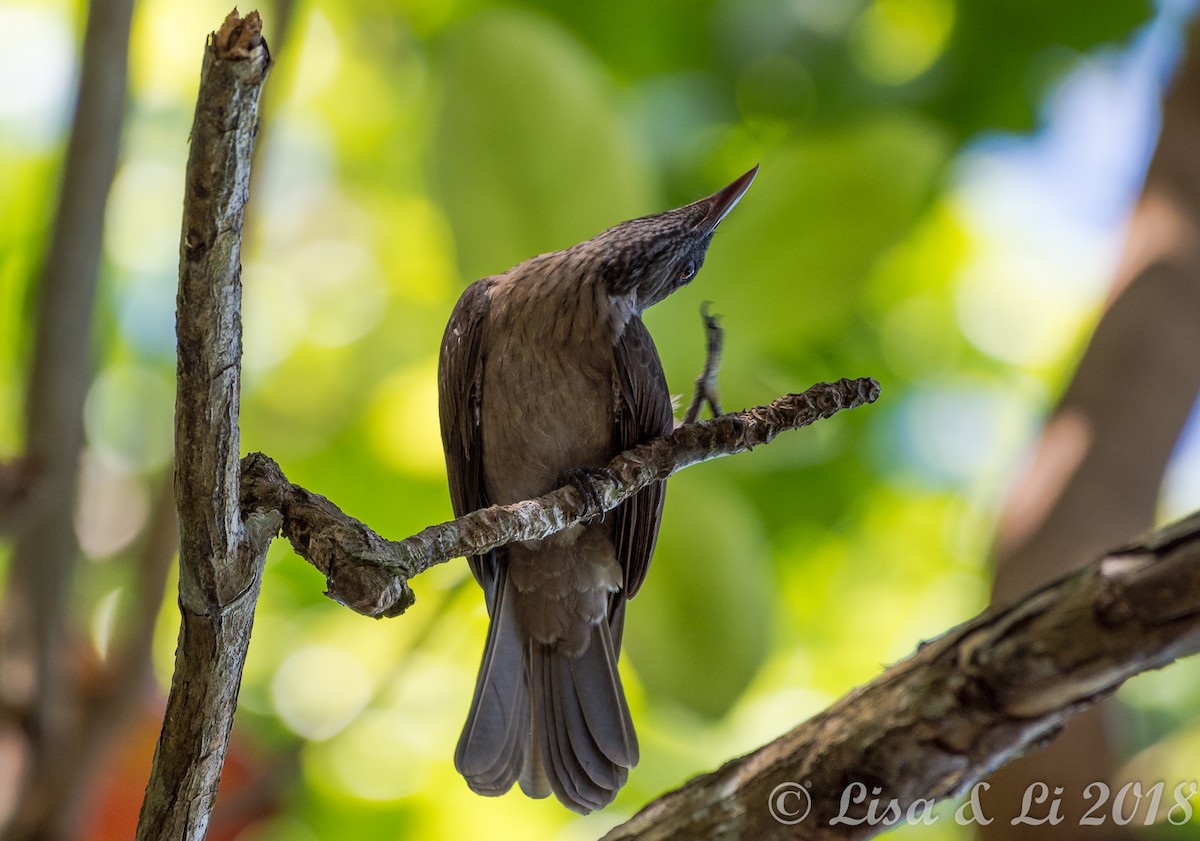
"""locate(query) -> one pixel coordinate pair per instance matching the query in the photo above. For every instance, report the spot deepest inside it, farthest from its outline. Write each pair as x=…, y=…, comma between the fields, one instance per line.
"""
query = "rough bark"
x=369, y=573
x=38, y=716
x=961, y=706
x=220, y=556
x=1096, y=475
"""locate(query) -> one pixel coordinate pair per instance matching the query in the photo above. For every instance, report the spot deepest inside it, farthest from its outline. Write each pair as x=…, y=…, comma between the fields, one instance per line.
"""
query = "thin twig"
x=369, y=573
x=706, y=383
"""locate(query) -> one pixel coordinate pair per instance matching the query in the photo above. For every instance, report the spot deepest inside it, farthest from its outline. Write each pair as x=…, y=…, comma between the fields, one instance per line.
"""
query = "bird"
x=546, y=371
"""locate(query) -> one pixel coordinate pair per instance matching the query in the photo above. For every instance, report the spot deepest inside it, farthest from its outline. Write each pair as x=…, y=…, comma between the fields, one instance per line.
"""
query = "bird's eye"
x=687, y=271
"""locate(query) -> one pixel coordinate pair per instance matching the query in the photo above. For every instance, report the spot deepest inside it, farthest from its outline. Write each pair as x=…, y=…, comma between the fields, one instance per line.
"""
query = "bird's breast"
x=547, y=396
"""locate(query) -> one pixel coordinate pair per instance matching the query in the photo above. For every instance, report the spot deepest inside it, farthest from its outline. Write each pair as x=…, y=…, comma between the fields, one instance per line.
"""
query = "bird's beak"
x=723, y=201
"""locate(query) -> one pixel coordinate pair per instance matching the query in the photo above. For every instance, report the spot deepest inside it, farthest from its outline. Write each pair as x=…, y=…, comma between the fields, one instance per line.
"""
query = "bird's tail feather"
x=555, y=721
x=582, y=726
x=494, y=743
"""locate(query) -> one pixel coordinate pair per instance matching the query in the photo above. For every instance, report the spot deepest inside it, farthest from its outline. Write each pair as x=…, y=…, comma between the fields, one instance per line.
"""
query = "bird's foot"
x=584, y=481
x=706, y=383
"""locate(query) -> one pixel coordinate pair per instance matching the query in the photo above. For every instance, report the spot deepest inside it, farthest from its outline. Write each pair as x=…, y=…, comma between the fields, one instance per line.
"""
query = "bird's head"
x=655, y=255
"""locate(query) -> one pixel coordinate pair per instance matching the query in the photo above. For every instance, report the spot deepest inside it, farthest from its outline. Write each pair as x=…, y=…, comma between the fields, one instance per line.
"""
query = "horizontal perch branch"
x=370, y=574
x=961, y=706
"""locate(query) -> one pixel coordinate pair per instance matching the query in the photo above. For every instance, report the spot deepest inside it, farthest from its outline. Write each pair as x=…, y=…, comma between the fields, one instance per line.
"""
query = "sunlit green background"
x=940, y=206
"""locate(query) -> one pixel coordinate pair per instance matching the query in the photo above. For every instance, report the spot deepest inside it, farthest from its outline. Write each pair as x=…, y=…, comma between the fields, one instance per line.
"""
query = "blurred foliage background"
x=942, y=197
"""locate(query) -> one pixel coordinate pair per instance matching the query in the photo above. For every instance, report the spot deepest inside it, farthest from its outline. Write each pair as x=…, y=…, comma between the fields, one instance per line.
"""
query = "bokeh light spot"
x=1012, y=307
x=343, y=291
x=274, y=315
x=142, y=223
x=129, y=416
x=322, y=51
x=373, y=759
x=918, y=338
x=415, y=243
x=319, y=689
x=402, y=411
x=112, y=507
x=1181, y=486
x=894, y=41
x=104, y=616
x=36, y=68
x=956, y=433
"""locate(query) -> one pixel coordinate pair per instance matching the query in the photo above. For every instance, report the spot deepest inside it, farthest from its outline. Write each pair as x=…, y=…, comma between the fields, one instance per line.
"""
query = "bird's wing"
x=460, y=385
x=643, y=411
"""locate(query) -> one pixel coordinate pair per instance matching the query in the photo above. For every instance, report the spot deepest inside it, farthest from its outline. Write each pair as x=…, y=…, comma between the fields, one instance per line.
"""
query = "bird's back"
x=548, y=402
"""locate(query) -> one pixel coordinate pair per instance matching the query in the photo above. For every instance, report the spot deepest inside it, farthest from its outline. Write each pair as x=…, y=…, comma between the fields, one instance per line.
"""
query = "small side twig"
x=369, y=573
x=706, y=383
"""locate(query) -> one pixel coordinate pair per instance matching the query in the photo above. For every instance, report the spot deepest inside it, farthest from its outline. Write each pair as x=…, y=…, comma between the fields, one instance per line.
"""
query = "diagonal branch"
x=938, y=722
x=1095, y=476
x=369, y=574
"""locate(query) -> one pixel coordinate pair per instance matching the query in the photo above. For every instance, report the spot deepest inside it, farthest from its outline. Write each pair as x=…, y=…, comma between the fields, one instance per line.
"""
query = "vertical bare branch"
x=35, y=692
x=220, y=558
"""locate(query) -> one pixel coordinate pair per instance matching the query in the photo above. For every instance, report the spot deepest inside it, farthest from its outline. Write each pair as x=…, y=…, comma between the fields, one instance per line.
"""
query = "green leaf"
x=531, y=153
x=990, y=70
x=700, y=627
x=787, y=267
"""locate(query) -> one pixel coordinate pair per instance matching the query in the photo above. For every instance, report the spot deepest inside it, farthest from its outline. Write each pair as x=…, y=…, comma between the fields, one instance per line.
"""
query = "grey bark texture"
x=220, y=557
x=961, y=706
